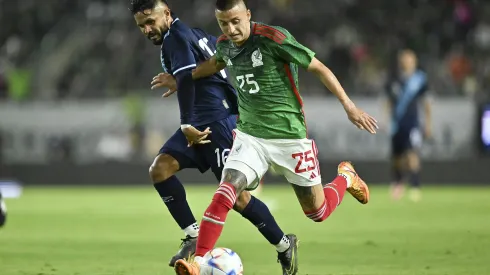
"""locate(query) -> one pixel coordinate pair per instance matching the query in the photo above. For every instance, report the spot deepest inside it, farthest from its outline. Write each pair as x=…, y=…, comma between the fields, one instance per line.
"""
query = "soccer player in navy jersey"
x=407, y=91
x=208, y=109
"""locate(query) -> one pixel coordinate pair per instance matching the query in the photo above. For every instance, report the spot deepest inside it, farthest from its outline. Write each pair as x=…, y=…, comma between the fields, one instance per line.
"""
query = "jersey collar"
x=168, y=31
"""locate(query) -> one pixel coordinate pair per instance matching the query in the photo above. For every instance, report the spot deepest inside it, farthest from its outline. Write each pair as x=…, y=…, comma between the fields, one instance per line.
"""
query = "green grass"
x=95, y=231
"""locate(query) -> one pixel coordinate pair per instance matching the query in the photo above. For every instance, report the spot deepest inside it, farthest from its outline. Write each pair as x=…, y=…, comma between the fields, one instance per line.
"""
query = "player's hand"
x=362, y=119
x=195, y=136
x=164, y=80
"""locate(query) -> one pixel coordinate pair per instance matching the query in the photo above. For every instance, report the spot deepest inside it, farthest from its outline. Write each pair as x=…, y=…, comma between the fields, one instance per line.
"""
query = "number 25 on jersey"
x=251, y=85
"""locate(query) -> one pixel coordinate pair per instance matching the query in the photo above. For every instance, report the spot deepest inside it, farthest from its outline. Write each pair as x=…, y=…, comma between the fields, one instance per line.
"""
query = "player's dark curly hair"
x=224, y=5
x=136, y=6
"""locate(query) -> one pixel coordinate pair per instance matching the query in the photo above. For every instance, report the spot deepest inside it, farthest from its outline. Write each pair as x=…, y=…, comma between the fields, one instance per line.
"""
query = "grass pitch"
x=123, y=231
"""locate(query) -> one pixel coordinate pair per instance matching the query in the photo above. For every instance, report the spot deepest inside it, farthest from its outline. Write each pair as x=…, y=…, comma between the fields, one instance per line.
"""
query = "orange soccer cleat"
x=358, y=188
x=183, y=267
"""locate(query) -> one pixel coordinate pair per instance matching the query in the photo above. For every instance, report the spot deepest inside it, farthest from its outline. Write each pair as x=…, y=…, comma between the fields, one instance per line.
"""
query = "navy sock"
x=258, y=213
x=415, y=179
x=173, y=195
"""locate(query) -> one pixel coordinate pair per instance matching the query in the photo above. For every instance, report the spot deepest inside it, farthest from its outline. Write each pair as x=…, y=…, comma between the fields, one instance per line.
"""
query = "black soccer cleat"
x=289, y=258
x=187, y=250
x=3, y=212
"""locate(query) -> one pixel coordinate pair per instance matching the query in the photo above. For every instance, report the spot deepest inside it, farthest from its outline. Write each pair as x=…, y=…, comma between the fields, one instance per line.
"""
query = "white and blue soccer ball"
x=221, y=261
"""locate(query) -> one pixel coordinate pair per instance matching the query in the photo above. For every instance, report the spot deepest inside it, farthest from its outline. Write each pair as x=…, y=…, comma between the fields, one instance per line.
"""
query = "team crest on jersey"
x=257, y=58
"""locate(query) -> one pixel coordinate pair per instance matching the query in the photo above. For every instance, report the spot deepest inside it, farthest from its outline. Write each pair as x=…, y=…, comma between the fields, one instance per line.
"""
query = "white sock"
x=192, y=230
x=348, y=179
x=283, y=245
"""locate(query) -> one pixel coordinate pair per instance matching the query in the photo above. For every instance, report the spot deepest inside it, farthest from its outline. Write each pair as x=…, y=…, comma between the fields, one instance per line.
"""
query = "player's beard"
x=158, y=41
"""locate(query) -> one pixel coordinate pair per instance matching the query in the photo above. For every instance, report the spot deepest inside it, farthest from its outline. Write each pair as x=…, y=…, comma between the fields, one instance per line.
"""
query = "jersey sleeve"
x=285, y=46
x=179, y=52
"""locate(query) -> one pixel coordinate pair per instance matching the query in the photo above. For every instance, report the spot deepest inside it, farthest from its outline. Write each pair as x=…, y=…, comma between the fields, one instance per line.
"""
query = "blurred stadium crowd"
x=62, y=49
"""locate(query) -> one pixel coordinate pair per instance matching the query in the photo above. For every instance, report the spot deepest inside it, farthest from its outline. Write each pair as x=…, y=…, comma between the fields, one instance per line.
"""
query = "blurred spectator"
x=89, y=49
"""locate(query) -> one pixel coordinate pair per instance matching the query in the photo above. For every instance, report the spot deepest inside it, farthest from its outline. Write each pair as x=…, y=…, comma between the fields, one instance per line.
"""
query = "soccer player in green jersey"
x=263, y=62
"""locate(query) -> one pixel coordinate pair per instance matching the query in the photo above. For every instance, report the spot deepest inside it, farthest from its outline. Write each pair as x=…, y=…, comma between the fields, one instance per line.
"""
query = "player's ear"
x=249, y=14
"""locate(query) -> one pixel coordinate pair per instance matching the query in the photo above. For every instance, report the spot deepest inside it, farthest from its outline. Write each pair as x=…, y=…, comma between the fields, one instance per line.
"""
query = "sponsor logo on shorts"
x=313, y=175
x=236, y=149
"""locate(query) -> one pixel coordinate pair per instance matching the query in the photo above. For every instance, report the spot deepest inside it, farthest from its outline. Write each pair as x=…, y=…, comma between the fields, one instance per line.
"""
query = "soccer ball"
x=221, y=261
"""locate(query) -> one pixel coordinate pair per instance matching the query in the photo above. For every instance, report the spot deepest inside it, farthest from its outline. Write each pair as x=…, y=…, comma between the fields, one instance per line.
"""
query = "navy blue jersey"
x=405, y=95
x=184, y=48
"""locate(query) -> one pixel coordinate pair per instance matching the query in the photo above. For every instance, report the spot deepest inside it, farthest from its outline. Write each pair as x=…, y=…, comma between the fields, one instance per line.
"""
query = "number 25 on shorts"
x=304, y=158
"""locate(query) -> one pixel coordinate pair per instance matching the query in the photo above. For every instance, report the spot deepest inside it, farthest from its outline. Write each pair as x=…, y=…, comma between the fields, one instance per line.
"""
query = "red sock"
x=334, y=193
x=214, y=218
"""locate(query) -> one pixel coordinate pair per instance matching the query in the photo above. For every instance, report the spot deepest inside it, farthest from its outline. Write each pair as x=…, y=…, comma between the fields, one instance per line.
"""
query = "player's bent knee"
x=398, y=162
x=413, y=161
x=238, y=179
x=312, y=201
x=163, y=167
x=242, y=201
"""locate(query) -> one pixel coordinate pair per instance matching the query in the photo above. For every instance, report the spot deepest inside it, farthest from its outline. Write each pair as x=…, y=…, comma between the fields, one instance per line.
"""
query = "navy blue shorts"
x=205, y=156
x=406, y=140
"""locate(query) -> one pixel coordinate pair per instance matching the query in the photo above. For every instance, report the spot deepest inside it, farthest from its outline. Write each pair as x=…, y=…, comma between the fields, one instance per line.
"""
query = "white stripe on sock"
x=213, y=220
x=318, y=214
x=228, y=192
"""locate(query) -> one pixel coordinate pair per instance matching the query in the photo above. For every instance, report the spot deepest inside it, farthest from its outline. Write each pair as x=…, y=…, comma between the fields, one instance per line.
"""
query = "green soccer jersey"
x=264, y=70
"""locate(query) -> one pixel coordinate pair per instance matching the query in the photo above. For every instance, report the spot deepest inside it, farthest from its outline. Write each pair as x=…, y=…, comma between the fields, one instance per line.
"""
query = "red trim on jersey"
x=293, y=84
x=274, y=30
x=254, y=27
x=222, y=38
x=296, y=92
x=270, y=33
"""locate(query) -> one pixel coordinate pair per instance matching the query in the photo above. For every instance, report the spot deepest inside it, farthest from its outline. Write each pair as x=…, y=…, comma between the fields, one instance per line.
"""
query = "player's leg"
x=3, y=211
x=174, y=156
x=250, y=207
x=320, y=201
x=398, y=165
x=413, y=163
x=243, y=168
x=297, y=161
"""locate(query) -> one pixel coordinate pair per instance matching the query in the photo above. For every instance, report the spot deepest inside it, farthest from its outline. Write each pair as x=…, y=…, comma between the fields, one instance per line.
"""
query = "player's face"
x=407, y=62
x=235, y=23
x=153, y=23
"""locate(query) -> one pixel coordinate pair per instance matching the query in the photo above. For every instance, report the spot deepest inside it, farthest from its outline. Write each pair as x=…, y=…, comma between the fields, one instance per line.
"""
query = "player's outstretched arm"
x=208, y=68
x=205, y=69
x=358, y=117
